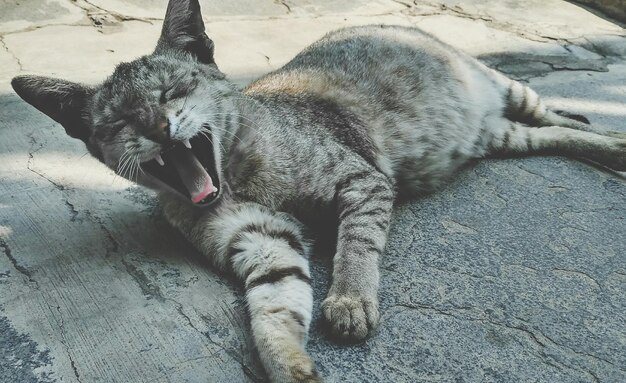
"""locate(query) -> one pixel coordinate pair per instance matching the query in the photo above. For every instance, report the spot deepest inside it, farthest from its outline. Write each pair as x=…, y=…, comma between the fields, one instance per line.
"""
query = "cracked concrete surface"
x=515, y=271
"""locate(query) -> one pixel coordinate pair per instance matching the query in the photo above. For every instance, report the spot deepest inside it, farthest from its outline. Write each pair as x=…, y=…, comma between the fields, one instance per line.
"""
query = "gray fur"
x=358, y=118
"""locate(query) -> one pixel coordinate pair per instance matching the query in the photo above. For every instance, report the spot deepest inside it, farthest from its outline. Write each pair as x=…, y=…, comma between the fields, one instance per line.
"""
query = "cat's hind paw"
x=577, y=117
x=350, y=318
x=620, y=135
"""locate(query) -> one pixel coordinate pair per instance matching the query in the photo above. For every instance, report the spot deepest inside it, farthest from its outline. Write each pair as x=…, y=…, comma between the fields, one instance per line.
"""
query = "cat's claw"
x=350, y=318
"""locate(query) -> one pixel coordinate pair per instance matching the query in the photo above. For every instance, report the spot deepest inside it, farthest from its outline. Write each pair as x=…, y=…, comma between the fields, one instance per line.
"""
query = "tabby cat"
x=359, y=118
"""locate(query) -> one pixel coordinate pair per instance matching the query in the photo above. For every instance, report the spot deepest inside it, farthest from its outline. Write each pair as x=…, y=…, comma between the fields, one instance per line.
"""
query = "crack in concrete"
x=267, y=58
x=533, y=269
x=571, y=67
x=591, y=46
x=535, y=35
x=236, y=357
x=537, y=337
x=414, y=8
x=406, y=5
x=64, y=343
x=517, y=66
x=587, y=211
x=586, y=354
x=41, y=26
x=56, y=185
x=476, y=276
x=148, y=288
x=579, y=273
x=455, y=10
x=114, y=244
x=231, y=353
x=73, y=211
x=92, y=10
x=558, y=188
x=15, y=58
x=519, y=166
x=20, y=269
x=31, y=158
x=461, y=228
x=284, y=4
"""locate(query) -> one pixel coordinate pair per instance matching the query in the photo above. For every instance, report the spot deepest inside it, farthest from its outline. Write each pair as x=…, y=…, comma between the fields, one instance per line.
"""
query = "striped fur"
x=267, y=251
x=524, y=105
x=361, y=116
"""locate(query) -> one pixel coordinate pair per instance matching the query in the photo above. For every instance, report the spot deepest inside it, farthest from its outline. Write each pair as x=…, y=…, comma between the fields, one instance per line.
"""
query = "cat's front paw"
x=301, y=370
x=350, y=318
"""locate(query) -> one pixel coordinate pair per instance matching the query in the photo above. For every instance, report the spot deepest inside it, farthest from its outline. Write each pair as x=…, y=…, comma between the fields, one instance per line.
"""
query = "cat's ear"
x=183, y=29
x=61, y=100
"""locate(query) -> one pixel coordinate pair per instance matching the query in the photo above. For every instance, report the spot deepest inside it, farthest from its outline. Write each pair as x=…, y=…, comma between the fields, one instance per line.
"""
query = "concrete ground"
x=515, y=272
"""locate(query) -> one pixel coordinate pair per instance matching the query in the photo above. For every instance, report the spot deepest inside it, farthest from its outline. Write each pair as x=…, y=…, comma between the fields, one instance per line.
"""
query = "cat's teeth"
x=159, y=160
x=187, y=144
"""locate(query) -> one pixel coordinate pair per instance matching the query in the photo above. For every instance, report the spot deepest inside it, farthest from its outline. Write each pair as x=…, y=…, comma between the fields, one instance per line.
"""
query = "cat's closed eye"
x=172, y=93
x=109, y=131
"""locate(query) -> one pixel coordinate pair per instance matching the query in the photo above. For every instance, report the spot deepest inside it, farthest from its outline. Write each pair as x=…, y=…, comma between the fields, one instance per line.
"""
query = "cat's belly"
x=423, y=103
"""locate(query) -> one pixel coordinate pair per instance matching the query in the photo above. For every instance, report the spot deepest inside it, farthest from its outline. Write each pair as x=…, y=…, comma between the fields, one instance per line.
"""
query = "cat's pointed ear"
x=61, y=100
x=183, y=29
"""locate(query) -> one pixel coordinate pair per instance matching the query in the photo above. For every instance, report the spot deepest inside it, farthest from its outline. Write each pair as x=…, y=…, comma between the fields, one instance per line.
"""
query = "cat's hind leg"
x=583, y=119
x=524, y=105
x=514, y=139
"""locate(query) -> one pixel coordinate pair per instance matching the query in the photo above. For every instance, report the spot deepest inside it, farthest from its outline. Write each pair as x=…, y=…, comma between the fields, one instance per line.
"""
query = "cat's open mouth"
x=187, y=167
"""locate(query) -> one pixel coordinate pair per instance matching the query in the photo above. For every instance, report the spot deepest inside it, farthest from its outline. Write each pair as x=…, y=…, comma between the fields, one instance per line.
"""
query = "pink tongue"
x=192, y=173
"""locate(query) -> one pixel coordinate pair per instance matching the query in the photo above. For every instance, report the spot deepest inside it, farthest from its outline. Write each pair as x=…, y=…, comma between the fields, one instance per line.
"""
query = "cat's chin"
x=185, y=169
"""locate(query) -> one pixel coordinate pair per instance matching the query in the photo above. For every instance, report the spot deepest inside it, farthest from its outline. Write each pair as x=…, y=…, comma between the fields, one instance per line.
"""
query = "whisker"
x=220, y=129
x=124, y=168
x=137, y=166
x=127, y=166
x=121, y=164
x=206, y=133
x=132, y=169
x=214, y=126
x=256, y=126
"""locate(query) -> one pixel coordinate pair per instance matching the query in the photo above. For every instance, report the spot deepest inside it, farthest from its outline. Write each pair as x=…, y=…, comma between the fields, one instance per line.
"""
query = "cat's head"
x=154, y=120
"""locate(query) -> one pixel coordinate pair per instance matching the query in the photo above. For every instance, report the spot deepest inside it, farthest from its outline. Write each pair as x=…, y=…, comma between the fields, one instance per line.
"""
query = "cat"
x=360, y=118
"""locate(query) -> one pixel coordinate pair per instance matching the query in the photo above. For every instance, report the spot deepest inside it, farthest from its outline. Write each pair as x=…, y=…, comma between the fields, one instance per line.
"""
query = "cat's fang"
x=159, y=160
x=187, y=144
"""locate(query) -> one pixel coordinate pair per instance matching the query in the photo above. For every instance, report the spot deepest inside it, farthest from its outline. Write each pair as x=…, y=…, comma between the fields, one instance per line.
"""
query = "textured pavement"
x=514, y=272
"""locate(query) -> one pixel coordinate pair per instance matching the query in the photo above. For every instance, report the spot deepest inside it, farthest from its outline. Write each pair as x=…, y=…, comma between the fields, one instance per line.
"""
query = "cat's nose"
x=161, y=131
x=164, y=127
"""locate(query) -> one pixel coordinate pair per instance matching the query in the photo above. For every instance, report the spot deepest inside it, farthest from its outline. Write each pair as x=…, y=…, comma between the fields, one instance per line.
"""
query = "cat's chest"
x=250, y=178
x=281, y=192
